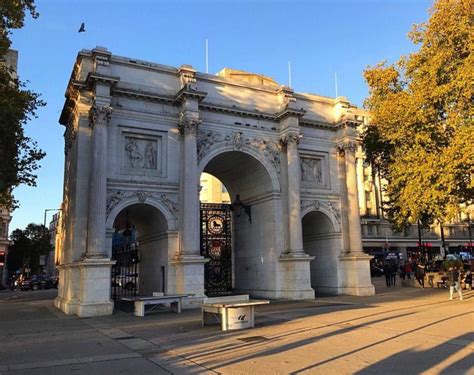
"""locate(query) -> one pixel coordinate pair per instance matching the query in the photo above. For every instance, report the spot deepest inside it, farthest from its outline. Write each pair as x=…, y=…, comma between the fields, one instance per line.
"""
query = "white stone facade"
x=138, y=136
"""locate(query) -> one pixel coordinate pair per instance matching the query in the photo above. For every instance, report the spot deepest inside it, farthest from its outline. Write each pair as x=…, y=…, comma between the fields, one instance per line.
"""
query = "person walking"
x=388, y=273
x=454, y=282
x=408, y=270
x=393, y=273
x=420, y=274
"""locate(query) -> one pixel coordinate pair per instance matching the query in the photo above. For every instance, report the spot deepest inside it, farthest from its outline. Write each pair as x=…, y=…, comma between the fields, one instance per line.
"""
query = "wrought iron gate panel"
x=125, y=271
x=216, y=245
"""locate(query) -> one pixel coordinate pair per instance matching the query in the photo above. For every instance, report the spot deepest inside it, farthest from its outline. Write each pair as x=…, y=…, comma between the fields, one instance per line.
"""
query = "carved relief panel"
x=142, y=154
x=314, y=171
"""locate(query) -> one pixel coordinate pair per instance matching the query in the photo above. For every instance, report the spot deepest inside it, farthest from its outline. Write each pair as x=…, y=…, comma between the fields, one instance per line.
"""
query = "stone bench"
x=232, y=312
x=175, y=301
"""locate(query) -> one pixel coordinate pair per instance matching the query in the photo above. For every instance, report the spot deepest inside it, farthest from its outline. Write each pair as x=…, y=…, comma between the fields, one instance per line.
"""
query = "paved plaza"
x=398, y=331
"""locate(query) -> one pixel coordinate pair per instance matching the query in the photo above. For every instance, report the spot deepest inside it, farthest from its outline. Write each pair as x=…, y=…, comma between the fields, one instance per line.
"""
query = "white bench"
x=233, y=312
x=154, y=301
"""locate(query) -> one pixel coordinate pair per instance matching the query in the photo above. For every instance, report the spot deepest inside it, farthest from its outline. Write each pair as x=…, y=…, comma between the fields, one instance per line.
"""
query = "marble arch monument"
x=137, y=137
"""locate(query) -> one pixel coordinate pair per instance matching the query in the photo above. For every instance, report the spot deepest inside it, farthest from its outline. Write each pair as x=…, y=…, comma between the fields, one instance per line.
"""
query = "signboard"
x=240, y=317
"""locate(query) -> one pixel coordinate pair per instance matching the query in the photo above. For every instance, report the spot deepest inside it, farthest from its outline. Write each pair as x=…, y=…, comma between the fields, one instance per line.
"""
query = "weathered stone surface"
x=143, y=134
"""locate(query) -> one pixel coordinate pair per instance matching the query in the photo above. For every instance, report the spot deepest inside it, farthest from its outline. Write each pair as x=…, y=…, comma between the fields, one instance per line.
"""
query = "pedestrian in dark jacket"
x=454, y=282
x=393, y=273
x=420, y=274
x=387, y=272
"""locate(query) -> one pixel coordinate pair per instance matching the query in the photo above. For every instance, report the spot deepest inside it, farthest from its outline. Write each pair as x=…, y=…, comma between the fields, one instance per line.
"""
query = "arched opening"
x=320, y=241
x=249, y=242
x=139, y=247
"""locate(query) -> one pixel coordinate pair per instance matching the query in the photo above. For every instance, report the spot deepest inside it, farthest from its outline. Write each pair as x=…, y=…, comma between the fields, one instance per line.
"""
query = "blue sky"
x=318, y=37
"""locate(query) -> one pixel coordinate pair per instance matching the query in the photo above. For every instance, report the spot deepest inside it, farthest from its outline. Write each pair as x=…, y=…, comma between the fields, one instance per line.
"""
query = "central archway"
x=254, y=229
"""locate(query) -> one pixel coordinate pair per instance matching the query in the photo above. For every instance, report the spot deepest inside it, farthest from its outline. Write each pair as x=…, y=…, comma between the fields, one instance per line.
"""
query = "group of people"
x=390, y=270
x=418, y=270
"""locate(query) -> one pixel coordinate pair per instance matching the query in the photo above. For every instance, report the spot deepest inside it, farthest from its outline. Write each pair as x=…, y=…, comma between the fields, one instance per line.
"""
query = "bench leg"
x=176, y=306
x=139, y=308
x=225, y=319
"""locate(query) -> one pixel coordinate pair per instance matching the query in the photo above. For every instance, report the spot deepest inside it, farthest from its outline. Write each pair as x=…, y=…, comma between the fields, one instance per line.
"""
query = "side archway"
x=140, y=239
x=322, y=240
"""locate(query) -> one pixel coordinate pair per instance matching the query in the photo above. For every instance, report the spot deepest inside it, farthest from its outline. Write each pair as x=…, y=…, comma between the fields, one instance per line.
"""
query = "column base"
x=189, y=278
x=85, y=288
x=355, y=267
x=294, y=277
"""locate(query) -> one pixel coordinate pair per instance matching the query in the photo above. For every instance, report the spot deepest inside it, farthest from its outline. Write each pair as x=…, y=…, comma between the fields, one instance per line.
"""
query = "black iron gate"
x=216, y=244
x=125, y=270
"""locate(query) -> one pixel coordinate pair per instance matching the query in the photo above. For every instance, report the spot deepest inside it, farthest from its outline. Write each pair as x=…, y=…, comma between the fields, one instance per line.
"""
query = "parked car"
x=34, y=282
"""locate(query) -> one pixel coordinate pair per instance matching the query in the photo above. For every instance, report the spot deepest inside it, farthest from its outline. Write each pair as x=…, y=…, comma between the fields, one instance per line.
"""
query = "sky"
x=319, y=37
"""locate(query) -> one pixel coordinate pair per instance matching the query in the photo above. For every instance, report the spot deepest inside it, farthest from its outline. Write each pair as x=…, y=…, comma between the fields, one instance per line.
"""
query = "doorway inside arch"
x=216, y=235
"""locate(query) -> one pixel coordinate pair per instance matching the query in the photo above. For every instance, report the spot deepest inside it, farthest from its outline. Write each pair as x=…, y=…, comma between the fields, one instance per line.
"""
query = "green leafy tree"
x=19, y=154
x=27, y=246
x=421, y=137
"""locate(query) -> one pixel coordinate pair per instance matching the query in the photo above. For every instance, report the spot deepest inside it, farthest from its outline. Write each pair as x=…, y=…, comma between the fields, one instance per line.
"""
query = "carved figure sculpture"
x=150, y=156
x=133, y=153
x=311, y=170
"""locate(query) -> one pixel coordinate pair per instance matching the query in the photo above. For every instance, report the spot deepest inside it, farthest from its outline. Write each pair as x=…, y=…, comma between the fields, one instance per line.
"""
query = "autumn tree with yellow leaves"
x=421, y=137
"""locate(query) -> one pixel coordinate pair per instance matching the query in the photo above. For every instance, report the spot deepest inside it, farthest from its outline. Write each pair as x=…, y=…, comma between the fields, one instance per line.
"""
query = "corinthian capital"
x=100, y=115
x=188, y=125
x=350, y=148
x=289, y=139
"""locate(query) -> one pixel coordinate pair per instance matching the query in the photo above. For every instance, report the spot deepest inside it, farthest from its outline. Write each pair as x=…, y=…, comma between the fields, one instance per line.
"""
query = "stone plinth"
x=294, y=277
x=355, y=269
x=91, y=294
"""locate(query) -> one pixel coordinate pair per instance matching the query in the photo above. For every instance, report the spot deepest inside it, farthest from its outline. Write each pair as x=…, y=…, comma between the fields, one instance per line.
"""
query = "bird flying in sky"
x=82, y=28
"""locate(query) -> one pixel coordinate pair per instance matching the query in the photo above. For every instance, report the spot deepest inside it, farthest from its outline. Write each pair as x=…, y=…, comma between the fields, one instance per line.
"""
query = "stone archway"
x=321, y=240
x=255, y=234
x=147, y=229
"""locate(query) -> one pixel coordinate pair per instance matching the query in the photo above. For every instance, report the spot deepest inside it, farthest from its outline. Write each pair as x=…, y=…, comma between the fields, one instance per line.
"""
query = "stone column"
x=354, y=262
x=100, y=116
x=290, y=143
x=360, y=183
x=188, y=124
x=355, y=239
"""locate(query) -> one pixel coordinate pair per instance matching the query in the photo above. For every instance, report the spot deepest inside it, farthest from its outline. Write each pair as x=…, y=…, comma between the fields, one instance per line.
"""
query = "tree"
x=19, y=154
x=421, y=137
x=27, y=246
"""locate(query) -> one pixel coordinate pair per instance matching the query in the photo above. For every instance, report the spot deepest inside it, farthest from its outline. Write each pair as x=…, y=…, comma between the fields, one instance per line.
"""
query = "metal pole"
x=470, y=233
x=419, y=238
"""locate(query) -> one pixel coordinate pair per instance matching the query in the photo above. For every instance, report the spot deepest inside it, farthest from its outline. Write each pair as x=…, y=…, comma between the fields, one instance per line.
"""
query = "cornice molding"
x=188, y=93
x=94, y=77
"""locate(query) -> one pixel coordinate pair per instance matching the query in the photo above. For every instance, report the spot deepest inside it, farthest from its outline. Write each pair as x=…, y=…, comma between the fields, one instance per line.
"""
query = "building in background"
x=4, y=242
x=48, y=261
x=379, y=239
x=212, y=190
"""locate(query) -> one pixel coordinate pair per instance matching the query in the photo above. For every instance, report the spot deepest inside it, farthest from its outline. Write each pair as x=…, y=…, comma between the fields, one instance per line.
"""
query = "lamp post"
x=46, y=211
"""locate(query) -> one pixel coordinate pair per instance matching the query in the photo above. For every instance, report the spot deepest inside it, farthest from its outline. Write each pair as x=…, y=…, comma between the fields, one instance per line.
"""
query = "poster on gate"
x=240, y=317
